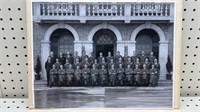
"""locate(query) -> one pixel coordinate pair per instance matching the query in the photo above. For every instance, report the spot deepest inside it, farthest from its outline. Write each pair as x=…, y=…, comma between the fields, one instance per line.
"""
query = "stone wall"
x=83, y=30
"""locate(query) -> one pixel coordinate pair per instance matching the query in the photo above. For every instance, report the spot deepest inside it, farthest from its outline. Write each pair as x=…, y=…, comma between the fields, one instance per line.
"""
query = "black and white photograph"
x=103, y=54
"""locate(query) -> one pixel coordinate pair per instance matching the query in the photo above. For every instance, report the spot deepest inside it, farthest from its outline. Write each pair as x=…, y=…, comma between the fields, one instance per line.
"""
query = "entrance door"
x=104, y=41
x=104, y=49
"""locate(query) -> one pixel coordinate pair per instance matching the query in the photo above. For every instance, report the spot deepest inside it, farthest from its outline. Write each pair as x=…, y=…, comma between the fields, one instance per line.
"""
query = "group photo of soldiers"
x=136, y=70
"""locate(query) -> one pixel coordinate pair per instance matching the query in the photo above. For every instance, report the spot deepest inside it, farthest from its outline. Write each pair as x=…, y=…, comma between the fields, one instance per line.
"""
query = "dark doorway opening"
x=104, y=41
x=104, y=49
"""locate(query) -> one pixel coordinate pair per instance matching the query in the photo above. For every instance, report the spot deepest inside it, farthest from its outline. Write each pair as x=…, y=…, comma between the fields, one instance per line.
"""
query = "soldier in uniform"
x=69, y=74
x=147, y=63
x=112, y=63
x=61, y=59
x=118, y=56
x=66, y=65
x=103, y=76
x=76, y=57
x=125, y=58
x=85, y=75
x=157, y=66
x=112, y=74
x=120, y=75
x=69, y=57
x=85, y=62
x=142, y=57
x=53, y=76
x=91, y=58
x=84, y=56
x=129, y=75
x=153, y=76
x=128, y=63
x=76, y=63
x=94, y=75
x=152, y=57
x=96, y=64
x=138, y=63
x=100, y=57
x=145, y=76
x=120, y=62
x=137, y=75
x=103, y=62
x=109, y=57
x=53, y=57
x=61, y=75
x=133, y=57
x=57, y=64
x=77, y=75
x=48, y=66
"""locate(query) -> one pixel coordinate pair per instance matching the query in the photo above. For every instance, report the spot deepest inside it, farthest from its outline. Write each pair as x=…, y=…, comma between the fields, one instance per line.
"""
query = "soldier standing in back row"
x=125, y=58
x=109, y=57
x=100, y=57
x=48, y=66
x=53, y=57
x=91, y=58
x=76, y=57
x=142, y=57
x=61, y=59
x=57, y=64
x=151, y=57
x=118, y=56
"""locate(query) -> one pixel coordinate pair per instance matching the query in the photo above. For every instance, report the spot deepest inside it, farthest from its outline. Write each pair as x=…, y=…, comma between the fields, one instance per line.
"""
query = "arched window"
x=62, y=40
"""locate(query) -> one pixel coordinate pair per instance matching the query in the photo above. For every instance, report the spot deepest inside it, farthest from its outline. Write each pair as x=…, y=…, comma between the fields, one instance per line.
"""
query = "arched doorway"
x=62, y=40
x=147, y=40
x=104, y=41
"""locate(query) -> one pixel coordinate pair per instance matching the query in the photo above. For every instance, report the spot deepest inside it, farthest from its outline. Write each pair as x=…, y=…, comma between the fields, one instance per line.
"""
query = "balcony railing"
x=102, y=11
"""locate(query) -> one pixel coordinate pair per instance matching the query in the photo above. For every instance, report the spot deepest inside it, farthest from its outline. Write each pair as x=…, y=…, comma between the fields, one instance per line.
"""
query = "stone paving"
x=104, y=97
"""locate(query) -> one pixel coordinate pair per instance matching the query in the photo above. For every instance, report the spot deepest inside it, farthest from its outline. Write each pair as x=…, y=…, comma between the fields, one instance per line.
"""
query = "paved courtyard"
x=104, y=97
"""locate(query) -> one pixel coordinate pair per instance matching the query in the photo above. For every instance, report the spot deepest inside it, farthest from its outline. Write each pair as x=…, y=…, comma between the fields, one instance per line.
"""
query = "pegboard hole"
x=19, y=9
x=188, y=46
x=194, y=9
x=198, y=38
x=192, y=19
x=184, y=9
x=190, y=79
x=196, y=47
x=16, y=55
x=20, y=19
x=190, y=28
x=4, y=38
x=13, y=101
x=9, y=9
x=23, y=38
x=22, y=28
x=10, y=19
x=189, y=38
x=183, y=19
x=13, y=38
x=2, y=28
x=1, y=19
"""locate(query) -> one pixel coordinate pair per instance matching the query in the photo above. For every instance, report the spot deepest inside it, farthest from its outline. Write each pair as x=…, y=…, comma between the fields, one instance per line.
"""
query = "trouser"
x=48, y=77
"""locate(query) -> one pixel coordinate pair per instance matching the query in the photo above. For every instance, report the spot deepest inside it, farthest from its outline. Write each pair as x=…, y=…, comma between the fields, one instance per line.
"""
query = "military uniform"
x=53, y=59
x=77, y=75
x=142, y=58
x=61, y=75
x=157, y=67
x=117, y=58
x=133, y=58
x=57, y=64
x=100, y=59
x=129, y=75
x=85, y=63
x=153, y=76
x=128, y=63
x=125, y=59
x=148, y=65
x=62, y=60
x=94, y=75
x=53, y=76
x=70, y=59
x=110, y=65
x=91, y=59
x=145, y=76
x=137, y=76
x=151, y=59
x=83, y=57
x=112, y=74
x=103, y=76
x=119, y=64
x=85, y=75
x=138, y=64
x=48, y=66
x=120, y=75
x=108, y=59
x=69, y=75
x=66, y=65
x=75, y=58
x=105, y=64
x=96, y=65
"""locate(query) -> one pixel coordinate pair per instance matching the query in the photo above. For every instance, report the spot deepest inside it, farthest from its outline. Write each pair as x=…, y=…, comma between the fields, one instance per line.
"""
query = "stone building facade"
x=97, y=27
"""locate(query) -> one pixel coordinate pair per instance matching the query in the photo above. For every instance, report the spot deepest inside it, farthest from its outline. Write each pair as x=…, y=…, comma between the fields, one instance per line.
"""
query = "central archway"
x=104, y=41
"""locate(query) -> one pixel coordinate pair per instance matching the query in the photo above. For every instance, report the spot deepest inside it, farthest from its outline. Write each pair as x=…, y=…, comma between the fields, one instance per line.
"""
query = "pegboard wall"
x=14, y=61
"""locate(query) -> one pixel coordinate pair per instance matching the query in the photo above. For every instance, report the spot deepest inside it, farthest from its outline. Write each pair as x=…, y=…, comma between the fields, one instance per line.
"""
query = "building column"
x=120, y=47
x=131, y=47
x=45, y=51
x=78, y=47
x=163, y=53
x=88, y=47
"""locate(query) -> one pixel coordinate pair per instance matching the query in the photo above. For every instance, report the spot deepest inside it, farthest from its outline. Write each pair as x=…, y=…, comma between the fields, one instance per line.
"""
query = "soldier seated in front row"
x=145, y=76
x=129, y=75
x=103, y=76
x=85, y=76
x=53, y=76
x=61, y=75
x=137, y=75
x=120, y=75
x=112, y=75
x=69, y=75
x=77, y=75
x=153, y=76
x=94, y=75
